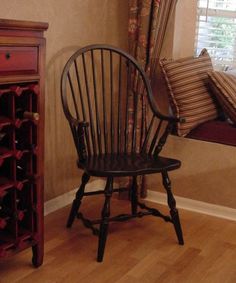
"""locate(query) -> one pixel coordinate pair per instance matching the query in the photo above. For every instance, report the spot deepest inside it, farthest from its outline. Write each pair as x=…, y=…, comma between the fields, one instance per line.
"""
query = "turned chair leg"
x=105, y=219
x=77, y=201
x=172, y=205
x=134, y=196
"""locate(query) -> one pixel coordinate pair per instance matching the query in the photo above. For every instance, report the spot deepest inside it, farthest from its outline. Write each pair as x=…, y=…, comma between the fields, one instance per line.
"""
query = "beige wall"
x=184, y=28
x=72, y=23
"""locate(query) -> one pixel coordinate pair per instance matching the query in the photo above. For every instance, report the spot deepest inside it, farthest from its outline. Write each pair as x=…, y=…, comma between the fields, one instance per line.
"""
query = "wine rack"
x=22, y=56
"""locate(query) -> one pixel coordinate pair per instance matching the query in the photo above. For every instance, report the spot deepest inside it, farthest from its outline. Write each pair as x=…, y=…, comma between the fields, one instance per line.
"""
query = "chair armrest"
x=169, y=118
x=157, y=113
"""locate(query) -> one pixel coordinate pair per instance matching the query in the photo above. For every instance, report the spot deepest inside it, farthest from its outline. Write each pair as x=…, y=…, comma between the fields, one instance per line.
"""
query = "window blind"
x=216, y=31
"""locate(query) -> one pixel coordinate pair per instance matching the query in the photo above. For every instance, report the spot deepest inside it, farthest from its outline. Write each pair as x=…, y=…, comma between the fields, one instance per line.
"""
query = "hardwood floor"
x=142, y=250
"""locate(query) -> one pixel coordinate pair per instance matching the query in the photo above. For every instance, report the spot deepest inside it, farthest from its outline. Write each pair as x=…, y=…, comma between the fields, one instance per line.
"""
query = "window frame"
x=212, y=12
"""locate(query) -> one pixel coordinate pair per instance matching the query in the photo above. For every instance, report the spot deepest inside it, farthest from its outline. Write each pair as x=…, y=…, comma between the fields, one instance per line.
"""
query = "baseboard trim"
x=194, y=205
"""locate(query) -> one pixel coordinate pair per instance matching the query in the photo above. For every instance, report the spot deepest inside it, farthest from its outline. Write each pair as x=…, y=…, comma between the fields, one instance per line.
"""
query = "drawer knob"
x=8, y=55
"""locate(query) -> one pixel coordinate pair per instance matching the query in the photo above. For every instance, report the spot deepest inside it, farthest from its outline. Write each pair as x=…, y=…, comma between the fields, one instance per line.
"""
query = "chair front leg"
x=134, y=196
x=77, y=201
x=105, y=219
x=172, y=205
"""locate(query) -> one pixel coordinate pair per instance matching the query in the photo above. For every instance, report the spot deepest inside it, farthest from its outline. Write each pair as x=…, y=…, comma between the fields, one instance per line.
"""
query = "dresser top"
x=22, y=25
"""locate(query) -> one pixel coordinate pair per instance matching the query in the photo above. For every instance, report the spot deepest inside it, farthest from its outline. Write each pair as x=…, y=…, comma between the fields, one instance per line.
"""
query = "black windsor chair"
x=103, y=90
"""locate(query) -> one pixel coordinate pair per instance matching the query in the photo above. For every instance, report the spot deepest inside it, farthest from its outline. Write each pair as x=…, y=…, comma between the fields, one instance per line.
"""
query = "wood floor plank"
x=141, y=250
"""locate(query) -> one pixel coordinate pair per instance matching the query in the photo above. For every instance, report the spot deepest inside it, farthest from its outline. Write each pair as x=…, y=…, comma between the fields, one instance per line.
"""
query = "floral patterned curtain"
x=147, y=27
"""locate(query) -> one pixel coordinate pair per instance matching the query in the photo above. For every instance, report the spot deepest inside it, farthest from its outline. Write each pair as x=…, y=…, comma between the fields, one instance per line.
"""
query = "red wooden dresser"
x=22, y=60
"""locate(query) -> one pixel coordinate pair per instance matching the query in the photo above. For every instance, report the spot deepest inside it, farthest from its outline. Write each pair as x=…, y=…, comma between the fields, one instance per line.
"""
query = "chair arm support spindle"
x=81, y=142
x=78, y=128
x=163, y=139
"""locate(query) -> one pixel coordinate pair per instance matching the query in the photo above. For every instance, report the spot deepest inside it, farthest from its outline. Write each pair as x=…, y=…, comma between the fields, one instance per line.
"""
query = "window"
x=216, y=31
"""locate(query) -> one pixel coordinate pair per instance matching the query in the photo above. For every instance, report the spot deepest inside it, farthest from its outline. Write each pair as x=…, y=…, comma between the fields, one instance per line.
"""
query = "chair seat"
x=127, y=165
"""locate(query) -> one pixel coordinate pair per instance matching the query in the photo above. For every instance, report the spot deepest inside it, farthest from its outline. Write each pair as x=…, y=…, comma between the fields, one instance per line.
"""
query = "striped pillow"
x=224, y=87
x=189, y=94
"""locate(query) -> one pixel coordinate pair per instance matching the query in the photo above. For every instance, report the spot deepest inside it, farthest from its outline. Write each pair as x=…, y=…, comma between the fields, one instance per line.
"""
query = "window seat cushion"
x=215, y=131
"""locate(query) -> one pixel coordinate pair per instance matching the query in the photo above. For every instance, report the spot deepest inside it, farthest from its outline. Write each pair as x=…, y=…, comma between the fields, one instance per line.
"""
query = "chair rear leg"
x=172, y=205
x=134, y=196
x=77, y=201
x=105, y=219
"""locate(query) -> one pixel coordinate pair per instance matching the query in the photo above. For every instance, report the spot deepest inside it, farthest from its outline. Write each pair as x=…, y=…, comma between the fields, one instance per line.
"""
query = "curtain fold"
x=147, y=27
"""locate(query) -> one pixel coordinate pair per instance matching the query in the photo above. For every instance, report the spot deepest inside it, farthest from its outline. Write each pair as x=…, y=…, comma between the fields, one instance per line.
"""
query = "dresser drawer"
x=18, y=60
